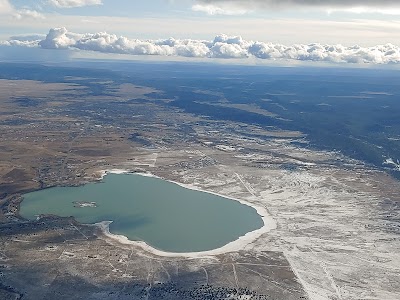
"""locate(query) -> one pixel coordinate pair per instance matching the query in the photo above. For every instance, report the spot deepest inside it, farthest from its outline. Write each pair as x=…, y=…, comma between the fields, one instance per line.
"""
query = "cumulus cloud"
x=74, y=3
x=243, y=6
x=222, y=46
x=59, y=38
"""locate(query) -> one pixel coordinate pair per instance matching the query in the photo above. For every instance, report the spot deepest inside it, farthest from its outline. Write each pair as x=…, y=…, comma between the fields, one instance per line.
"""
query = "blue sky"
x=347, y=22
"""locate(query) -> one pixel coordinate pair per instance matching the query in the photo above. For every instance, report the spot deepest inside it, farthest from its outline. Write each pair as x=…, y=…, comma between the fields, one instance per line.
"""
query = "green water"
x=163, y=214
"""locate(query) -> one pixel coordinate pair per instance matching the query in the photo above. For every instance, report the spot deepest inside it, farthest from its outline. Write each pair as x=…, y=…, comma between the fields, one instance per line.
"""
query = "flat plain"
x=337, y=230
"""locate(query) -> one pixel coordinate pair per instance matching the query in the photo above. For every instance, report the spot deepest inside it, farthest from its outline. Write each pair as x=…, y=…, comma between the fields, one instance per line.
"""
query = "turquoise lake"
x=163, y=214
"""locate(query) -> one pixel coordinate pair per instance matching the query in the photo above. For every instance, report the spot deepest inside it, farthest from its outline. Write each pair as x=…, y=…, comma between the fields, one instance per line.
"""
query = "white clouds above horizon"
x=332, y=3
x=7, y=9
x=27, y=13
x=229, y=7
x=211, y=9
x=74, y=3
x=222, y=46
x=176, y=18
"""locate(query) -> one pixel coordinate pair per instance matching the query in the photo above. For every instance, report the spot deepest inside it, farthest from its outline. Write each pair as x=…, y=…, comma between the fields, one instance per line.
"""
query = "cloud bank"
x=74, y=3
x=244, y=6
x=222, y=46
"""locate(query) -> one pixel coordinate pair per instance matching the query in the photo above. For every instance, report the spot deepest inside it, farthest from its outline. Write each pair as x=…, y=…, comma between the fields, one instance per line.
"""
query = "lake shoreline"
x=235, y=245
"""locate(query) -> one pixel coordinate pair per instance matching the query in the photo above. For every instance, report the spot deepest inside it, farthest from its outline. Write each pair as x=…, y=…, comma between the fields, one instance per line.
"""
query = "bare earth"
x=336, y=237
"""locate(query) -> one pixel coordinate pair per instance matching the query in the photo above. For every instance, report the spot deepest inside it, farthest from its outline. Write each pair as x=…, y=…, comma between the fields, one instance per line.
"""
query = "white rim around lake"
x=236, y=245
